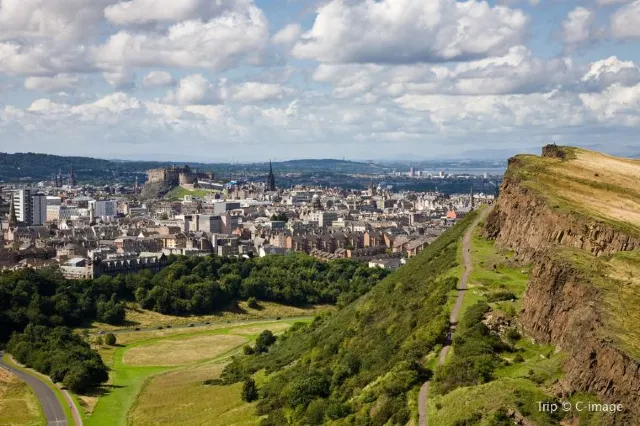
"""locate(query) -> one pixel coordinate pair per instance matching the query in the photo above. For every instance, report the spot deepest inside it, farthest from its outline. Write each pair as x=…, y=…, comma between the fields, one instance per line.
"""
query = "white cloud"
x=625, y=22
x=406, y=31
x=197, y=90
x=59, y=82
x=194, y=89
x=158, y=79
x=287, y=35
x=577, y=27
x=216, y=44
x=121, y=78
x=60, y=20
x=146, y=11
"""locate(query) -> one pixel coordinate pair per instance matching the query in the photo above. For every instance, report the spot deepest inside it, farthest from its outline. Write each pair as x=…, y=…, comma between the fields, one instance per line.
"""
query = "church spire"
x=271, y=179
x=72, y=177
x=13, y=219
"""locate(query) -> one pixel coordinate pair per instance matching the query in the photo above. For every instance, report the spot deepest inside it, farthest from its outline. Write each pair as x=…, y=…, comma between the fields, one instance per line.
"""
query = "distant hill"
x=36, y=167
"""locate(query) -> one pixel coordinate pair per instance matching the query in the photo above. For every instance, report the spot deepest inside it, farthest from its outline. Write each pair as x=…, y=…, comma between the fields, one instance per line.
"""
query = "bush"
x=518, y=358
x=110, y=339
x=513, y=335
x=252, y=302
x=248, y=350
x=264, y=340
x=500, y=295
x=249, y=390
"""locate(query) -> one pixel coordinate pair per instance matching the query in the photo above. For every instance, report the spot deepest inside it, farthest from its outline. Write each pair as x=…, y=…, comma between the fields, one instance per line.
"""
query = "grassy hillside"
x=360, y=363
x=578, y=180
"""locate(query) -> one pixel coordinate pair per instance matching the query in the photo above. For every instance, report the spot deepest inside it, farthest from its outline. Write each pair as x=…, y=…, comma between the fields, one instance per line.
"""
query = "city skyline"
x=162, y=80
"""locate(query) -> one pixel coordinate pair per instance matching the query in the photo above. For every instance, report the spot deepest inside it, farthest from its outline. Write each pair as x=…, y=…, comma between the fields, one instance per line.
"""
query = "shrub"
x=110, y=339
x=264, y=340
x=248, y=350
x=249, y=390
x=252, y=302
x=500, y=295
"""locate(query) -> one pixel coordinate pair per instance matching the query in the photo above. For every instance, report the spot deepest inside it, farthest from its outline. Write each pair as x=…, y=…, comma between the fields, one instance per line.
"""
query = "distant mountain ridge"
x=35, y=166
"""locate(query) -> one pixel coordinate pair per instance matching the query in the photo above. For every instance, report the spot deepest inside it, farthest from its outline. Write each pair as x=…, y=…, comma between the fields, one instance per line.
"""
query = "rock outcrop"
x=561, y=306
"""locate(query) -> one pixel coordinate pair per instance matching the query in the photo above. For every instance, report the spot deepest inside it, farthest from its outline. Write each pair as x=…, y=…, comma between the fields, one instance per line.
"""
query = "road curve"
x=467, y=265
x=53, y=412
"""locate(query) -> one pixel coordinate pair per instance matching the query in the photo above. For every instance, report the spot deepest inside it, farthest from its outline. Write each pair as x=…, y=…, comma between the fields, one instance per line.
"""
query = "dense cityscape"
x=89, y=230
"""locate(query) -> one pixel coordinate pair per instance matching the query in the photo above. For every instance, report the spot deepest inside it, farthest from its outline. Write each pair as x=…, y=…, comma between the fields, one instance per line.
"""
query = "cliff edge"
x=575, y=216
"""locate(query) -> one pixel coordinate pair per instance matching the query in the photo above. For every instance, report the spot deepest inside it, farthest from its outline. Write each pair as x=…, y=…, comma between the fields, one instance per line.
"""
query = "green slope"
x=360, y=363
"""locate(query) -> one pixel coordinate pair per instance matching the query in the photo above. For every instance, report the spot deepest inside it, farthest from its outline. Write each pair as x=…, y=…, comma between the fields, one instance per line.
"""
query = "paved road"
x=467, y=264
x=53, y=411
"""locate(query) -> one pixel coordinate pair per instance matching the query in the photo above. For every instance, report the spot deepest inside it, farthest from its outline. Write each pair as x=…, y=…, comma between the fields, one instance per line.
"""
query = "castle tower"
x=271, y=179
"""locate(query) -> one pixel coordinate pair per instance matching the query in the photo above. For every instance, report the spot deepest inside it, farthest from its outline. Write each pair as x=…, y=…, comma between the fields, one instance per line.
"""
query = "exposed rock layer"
x=560, y=306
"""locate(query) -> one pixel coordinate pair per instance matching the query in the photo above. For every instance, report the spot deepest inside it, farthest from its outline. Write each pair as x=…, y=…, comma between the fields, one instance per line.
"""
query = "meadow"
x=148, y=364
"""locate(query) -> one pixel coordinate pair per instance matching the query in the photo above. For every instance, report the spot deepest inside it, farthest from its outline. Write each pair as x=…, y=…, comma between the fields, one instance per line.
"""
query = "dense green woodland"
x=60, y=354
x=42, y=303
x=359, y=363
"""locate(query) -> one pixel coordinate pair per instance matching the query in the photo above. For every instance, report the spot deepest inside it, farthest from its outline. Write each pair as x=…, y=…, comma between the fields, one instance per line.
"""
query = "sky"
x=251, y=80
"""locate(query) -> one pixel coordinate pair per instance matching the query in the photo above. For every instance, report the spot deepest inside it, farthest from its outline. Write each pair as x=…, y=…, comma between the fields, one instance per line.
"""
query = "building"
x=104, y=209
x=323, y=219
x=30, y=208
x=72, y=178
x=271, y=179
x=225, y=206
x=38, y=209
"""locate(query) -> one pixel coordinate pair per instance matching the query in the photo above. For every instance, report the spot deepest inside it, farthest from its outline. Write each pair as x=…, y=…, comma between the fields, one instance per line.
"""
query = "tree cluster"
x=60, y=354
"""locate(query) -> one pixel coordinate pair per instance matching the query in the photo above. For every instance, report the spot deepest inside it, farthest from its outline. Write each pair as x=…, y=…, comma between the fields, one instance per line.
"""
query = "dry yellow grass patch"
x=180, y=398
x=18, y=404
x=183, y=351
x=257, y=329
x=604, y=184
x=268, y=310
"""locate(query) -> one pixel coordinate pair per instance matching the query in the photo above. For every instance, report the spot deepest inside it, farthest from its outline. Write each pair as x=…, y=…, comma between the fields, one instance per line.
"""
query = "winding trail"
x=467, y=265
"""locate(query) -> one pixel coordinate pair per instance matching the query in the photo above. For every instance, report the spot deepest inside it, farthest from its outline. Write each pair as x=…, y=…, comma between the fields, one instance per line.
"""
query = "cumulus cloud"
x=216, y=44
x=194, y=89
x=625, y=22
x=57, y=83
x=577, y=28
x=406, y=31
x=158, y=79
x=287, y=35
x=198, y=90
x=516, y=72
x=146, y=11
x=120, y=78
x=60, y=20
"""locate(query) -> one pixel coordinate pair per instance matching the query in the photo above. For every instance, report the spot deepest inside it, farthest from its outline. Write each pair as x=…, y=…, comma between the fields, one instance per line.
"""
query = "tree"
x=110, y=339
x=264, y=340
x=99, y=341
x=249, y=390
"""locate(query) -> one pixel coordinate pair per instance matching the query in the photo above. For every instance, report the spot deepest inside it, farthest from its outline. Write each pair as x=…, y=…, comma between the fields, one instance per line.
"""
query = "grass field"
x=192, y=402
x=136, y=317
x=205, y=349
x=182, y=350
x=179, y=192
x=18, y=403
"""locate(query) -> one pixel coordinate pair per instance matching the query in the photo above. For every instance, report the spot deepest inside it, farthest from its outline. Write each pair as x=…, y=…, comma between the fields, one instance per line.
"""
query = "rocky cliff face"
x=559, y=306
x=523, y=221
